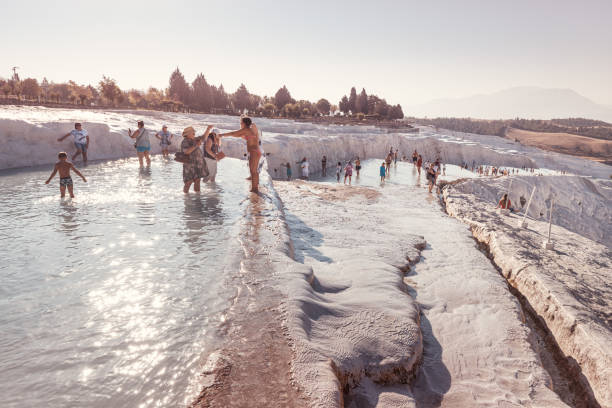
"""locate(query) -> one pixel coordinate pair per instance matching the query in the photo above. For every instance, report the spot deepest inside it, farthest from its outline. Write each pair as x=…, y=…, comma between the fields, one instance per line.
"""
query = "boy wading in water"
x=64, y=167
x=81, y=141
x=248, y=131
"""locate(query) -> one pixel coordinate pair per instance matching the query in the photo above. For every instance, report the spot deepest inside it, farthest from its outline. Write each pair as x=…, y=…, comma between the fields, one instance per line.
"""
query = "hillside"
x=523, y=102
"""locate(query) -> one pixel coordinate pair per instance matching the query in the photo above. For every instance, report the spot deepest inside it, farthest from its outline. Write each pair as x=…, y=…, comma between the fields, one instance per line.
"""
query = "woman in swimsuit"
x=348, y=172
x=358, y=165
x=249, y=132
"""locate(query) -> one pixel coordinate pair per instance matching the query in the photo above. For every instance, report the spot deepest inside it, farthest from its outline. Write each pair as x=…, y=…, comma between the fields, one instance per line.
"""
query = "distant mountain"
x=524, y=102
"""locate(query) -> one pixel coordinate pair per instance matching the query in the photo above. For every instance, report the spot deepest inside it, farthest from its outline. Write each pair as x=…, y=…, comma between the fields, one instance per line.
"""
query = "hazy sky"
x=407, y=51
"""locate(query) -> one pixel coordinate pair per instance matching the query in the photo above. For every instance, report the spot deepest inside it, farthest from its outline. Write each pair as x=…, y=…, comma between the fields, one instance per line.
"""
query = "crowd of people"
x=198, y=154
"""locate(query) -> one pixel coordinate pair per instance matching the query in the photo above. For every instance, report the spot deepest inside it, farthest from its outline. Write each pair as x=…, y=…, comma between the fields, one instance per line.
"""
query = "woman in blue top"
x=166, y=140
x=383, y=172
x=143, y=144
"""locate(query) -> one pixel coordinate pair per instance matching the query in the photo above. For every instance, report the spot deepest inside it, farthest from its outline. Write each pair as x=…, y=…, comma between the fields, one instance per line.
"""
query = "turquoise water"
x=115, y=297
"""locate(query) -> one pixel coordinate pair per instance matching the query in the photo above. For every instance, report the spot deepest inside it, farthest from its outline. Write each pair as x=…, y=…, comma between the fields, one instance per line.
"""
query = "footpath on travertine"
x=476, y=348
x=569, y=287
x=252, y=367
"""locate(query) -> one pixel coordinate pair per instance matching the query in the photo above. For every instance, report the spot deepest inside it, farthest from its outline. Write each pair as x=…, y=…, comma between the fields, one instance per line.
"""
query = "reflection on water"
x=202, y=216
x=112, y=298
x=67, y=220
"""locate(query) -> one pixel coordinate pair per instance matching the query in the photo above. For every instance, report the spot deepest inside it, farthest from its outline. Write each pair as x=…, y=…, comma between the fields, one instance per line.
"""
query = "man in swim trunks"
x=64, y=167
x=81, y=141
x=249, y=132
x=166, y=140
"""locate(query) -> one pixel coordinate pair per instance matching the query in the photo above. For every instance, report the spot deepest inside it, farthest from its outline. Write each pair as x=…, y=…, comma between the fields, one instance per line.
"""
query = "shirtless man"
x=249, y=132
x=64, y=167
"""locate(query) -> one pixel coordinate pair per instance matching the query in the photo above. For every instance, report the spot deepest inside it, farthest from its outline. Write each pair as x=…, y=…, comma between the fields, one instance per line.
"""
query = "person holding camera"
x=193, y=166
x=143, y=144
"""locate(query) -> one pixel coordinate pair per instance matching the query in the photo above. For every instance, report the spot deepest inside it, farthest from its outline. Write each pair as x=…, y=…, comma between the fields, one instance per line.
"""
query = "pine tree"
x=282, y=97
x=353, y=101
x=201, y=97
x=344, y=105
x=178, y=88
x=242, y=98
x=362, y=102
x=220, y=98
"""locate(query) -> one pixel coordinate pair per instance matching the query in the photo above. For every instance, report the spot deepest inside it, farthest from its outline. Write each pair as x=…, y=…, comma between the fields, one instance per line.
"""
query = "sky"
x=408, y=52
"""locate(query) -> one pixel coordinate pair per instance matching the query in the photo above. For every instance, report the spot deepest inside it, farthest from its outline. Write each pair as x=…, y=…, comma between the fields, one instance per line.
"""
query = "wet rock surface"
x=568, y=288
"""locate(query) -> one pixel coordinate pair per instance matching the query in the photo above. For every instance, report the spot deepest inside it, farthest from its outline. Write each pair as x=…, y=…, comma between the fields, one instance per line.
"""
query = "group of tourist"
x=200, y=154
x=198, y=163
x=201, y=164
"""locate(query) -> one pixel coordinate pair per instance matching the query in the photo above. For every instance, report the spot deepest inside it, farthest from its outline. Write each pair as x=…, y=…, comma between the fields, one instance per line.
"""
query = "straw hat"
x=188, y=130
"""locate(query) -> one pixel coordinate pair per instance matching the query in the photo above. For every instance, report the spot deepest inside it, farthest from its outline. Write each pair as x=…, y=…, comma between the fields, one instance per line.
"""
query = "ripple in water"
x=113, y=298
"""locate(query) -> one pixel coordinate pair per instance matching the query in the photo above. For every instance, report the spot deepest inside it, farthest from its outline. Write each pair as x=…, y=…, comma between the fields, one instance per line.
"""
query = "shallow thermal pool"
x=402, y=172
x=113, y=298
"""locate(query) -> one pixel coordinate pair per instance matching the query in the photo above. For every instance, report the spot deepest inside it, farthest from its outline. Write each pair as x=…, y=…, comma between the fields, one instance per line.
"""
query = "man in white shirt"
x=81, y=141
x=305, y=165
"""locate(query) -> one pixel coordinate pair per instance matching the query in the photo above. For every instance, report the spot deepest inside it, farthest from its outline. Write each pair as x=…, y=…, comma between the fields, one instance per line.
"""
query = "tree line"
x=197, y=96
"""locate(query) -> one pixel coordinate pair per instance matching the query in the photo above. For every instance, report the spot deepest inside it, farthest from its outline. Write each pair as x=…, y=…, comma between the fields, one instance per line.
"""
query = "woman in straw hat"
x=193, y=169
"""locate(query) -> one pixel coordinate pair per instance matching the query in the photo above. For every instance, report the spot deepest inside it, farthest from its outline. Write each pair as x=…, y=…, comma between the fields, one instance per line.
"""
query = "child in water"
x=289, y=172
x=383, y=172
x=64, y=167
x=338, y=171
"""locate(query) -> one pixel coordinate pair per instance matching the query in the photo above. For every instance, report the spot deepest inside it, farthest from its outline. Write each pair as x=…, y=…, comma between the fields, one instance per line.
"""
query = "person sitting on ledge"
x=505, y=203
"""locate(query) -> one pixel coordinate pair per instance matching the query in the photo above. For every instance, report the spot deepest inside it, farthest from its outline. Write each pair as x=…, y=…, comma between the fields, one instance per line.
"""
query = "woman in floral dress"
x=193, y=169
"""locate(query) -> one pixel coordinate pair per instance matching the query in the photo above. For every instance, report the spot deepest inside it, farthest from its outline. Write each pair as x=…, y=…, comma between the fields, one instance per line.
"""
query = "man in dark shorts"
x=324, y=166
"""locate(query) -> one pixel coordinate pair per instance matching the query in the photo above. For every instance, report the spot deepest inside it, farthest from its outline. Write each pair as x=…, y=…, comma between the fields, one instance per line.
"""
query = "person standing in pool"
x=338, y=171
x=395, y=156
x=348, y=172
x=165, y=138
x=143, y=144
x=305, y=166
x=81, y=141
x=358, y=165
x=193, y=168
x=382, y=172
x=431, y=176
x=64, y=167
x=249, y=132
x=212, y=154
x=419, y=163
x=324, y=166
x=415, y=157
x=389, y=160
x=289, y=172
